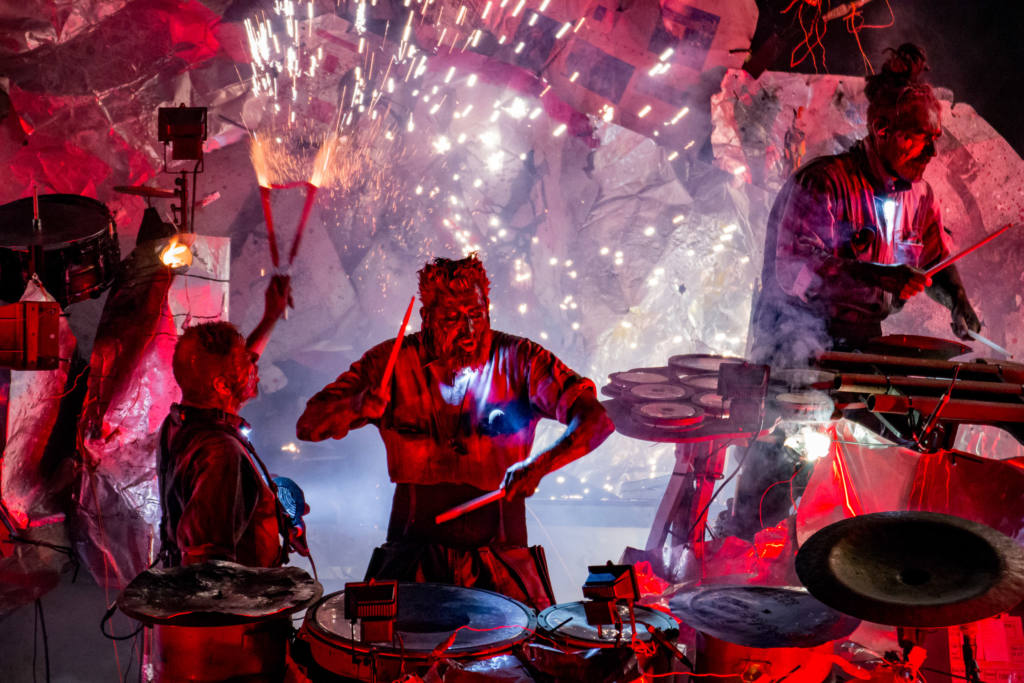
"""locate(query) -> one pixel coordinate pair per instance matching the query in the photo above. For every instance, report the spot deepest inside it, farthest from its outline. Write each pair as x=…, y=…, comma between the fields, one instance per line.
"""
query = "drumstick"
x=469, y=506
x=389, y=368
x=950, y=260
x=989, y=343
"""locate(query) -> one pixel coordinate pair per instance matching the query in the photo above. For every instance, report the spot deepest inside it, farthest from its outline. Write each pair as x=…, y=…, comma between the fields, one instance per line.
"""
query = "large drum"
x=486, y=623
x=570, y=649
x=78, y=243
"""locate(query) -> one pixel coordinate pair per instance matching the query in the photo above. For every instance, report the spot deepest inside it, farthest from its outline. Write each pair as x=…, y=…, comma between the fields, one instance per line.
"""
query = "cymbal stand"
x=968, y=646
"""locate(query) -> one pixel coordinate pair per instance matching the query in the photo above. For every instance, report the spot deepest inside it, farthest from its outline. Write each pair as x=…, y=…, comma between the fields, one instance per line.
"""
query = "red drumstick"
x=469, y=506
x=950, y=260
x=390, y=367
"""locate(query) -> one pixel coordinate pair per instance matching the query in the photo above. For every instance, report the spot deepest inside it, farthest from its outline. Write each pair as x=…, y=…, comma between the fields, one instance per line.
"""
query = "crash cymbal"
x=917, y=346
x=217, y=593
x=761, y=616
x=918, y=569
x=145, y=191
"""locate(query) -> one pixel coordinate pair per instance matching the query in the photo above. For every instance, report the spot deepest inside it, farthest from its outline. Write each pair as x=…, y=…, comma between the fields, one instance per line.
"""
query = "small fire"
x=176, y=255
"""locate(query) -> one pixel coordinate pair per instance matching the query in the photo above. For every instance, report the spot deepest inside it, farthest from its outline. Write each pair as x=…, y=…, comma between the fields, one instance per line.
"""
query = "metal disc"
x=919, y=569
x=656, y=392
x=760, y=616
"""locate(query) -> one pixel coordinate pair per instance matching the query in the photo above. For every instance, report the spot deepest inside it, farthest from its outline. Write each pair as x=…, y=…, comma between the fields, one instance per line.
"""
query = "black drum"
x=569, y=648
x=428, y=614
x=78, y=242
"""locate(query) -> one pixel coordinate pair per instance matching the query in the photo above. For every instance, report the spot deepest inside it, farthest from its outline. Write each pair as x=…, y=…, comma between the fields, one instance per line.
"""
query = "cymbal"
x=216, y=593
x=761, y=616
x=917, y=569
x=145, y=191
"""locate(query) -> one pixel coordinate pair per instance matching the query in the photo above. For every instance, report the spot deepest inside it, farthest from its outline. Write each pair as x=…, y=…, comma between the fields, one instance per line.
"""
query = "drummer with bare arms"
x=458, y=420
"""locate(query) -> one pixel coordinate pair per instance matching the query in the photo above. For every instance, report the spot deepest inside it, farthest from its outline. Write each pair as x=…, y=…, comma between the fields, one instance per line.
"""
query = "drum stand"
x=683, y=510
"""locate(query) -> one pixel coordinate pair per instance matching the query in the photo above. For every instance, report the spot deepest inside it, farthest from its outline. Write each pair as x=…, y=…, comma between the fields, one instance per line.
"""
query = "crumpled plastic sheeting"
x=118, y=511
x=43, y=23
x=92, y=122
x=986, y=491
x=861, y=474
x=35, y=401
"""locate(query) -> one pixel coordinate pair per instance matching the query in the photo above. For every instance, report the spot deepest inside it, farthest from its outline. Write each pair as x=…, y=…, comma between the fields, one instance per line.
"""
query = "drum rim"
x=686, y=395
x=312, y=626
x=666, y=378
x=79, y=200
x=686, y=381
x=694, y=421
x=641, y=634
x=682, y=367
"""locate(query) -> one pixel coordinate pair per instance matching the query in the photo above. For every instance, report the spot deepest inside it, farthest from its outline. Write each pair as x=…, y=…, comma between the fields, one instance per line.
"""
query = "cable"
x=106, y=617
x=721, y=486
x=41, y=621
x=760, y=504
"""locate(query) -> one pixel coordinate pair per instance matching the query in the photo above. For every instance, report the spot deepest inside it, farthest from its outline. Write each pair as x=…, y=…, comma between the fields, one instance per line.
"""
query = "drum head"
x=567, y=623
x=655, y=392
x=634, y=377
x=668, y=415
x=697, y=363
x=707, y=381
x=65, y=218
x=428, y=613
x=805, y=405
x=712, y=404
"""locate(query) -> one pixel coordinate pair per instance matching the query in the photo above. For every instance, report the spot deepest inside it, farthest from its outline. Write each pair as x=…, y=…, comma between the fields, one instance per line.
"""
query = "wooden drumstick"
x=950, y=260
x=393, y=358
x=469, y=506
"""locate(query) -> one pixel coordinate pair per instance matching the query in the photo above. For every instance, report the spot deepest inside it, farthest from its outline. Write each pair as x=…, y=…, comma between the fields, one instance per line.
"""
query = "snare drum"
x=79, y=246
x=568, y=648
x=698, y=363
x=713, y=404
x=645, y=393
x=707, y=381
x=428, y=613
x=668, y=416
x=621, y=382
x=805, y=406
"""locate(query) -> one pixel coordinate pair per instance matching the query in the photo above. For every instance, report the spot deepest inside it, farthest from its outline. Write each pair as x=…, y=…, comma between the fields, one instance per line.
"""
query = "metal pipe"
x=981, y=412
x=1007, y=371
x=879, y=384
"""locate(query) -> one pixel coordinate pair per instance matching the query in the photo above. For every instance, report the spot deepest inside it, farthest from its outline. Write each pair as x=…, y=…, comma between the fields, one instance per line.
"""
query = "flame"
x=176, y=255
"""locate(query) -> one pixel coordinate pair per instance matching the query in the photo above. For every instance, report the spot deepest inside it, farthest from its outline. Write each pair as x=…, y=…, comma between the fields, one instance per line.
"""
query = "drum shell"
x=201, y=654
x=575, y=656
x=80, y=260
x=770, y=664
x=343, y=656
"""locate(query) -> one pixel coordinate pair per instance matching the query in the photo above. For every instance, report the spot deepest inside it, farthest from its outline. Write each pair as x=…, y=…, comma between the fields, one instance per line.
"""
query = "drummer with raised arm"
x=458, y=419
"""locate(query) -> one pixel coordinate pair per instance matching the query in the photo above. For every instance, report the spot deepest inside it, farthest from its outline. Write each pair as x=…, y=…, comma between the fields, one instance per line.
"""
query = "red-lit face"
x=458, y=326
x=906, y=150
x=243, y=374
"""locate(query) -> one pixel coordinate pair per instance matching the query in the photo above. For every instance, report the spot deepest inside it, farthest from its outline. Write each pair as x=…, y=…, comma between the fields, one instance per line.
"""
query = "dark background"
x=974, y=48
